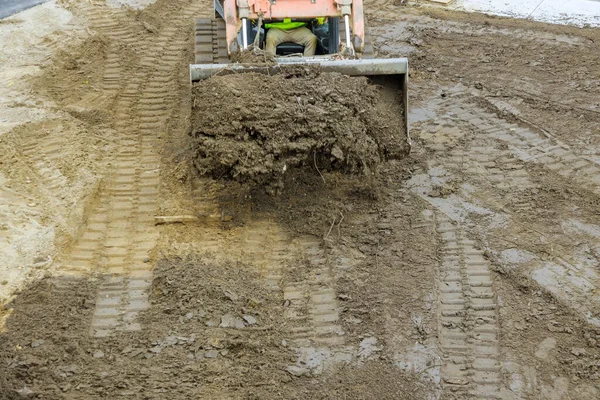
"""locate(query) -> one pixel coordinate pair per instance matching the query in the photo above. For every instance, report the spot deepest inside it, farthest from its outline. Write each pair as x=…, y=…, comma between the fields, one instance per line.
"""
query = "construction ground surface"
x=470, y=269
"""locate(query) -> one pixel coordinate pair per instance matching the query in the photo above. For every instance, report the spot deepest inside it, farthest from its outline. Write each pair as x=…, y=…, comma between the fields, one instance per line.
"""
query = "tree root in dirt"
x=252, y=128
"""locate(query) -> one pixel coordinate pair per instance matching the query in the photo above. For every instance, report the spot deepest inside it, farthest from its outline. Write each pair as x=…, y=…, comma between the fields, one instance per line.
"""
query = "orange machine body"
x=235, y=10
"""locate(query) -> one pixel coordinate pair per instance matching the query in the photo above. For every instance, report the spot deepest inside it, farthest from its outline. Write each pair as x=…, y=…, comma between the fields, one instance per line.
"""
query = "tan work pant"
x=300, y=35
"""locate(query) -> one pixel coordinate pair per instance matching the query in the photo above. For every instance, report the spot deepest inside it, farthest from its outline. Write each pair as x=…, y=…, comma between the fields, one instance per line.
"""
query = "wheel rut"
x=312, y=302
x=108, y=22
x=467, y=312
x=514, y=172
x=120, y=233
x=299, y=268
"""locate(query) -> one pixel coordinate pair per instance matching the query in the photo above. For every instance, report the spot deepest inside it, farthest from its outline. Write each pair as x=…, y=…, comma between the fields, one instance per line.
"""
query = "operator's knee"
x=271, y=42
x=310, y=45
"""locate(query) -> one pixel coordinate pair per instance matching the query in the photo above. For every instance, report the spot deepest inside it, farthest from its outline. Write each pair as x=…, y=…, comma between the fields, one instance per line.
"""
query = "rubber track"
x=211, y=42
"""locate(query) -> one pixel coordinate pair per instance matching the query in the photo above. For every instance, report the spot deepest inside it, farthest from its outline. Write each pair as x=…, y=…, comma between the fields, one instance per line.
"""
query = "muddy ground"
x=467, y=270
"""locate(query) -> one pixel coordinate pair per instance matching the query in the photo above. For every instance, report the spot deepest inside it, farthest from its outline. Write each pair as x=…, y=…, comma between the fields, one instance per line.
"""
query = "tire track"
x=114, y=24
x=311, y=303
x=269, y=248
x=494, y=153
x=120, y=231
x=300, y=269
x=529, y=145
x=42, y=155
x=106, y=21
x=468, y=328
x=134, y=191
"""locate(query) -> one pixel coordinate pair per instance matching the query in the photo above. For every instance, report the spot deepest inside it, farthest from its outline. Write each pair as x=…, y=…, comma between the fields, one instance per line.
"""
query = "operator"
x=289, y=31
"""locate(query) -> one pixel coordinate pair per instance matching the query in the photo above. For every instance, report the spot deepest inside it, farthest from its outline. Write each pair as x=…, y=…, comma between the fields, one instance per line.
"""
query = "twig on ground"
x=339, y=223
x=330, y=228
x=317, y=168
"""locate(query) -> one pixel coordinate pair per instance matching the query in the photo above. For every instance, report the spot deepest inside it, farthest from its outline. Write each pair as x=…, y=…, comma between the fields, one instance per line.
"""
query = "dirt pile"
x=206, y=319
x=253, y=128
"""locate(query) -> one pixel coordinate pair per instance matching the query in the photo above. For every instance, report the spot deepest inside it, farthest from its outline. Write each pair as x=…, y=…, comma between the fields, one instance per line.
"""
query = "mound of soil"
x=253, y=128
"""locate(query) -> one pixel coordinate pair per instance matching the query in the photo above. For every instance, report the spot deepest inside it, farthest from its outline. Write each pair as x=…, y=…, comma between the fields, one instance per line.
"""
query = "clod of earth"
x=211, y=354
x=252, y=128
x=297, y=371
x=231, y=321
x=99, y=354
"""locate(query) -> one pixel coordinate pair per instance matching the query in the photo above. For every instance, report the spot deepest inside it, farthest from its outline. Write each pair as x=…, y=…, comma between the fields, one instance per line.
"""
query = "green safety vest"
x=288, y=25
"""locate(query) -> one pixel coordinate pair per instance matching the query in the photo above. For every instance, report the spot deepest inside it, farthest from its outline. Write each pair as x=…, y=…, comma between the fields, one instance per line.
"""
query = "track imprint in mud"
x=120, y=232
x=503, y=166
x=343, y=289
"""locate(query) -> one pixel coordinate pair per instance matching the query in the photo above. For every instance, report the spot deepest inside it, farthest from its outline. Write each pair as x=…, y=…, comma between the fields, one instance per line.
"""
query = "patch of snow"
x=573, y=12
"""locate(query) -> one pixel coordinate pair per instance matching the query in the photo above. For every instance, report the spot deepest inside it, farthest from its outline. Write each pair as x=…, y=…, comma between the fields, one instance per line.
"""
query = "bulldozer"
x=342, y=43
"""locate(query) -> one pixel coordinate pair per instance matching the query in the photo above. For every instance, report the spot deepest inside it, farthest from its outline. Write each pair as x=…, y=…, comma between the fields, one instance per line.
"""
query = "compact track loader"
x=342, y=45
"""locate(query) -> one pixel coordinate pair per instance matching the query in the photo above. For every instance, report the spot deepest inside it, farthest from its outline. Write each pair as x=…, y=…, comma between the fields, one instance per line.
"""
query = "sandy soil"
x=467, y=270
x=36, y=206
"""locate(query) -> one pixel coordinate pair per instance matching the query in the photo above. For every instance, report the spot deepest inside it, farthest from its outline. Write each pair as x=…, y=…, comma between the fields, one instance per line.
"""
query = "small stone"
x=231, y=321
x=215, y=342
x=353, y=320
x=146, y=260
x=99, y=354
x=212, y=322
x=224, y=352
x=344, y=297
x=250, y=320
x=211, y=354
x=254, y=302
x=578, y=351
x=149, y=28
x=25, y=393
x=32, y=204
x=297, y=371
x=231, y=296
x=337, y=153
x=189, y=315
x=456, y=381
x=37, y=343
x=170, y=341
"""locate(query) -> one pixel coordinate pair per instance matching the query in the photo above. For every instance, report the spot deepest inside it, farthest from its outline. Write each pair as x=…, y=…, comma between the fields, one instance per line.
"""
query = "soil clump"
x=252, y=128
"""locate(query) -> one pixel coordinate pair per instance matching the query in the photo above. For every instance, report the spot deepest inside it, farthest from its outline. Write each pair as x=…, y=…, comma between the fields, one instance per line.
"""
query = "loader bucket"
x=386, y=71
